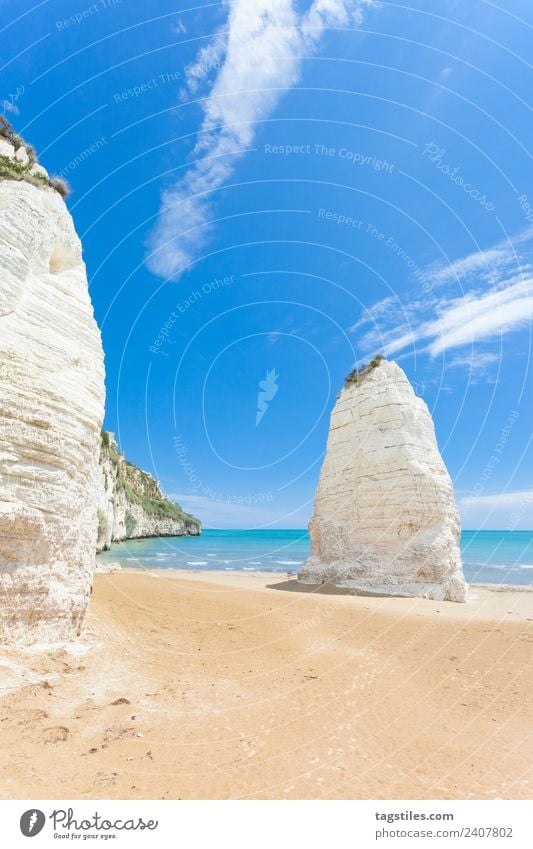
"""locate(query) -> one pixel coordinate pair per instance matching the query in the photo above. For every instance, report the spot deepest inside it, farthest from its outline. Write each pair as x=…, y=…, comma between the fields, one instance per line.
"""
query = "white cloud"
x=472, y=318
x=481, y=366
x=502, y=511
x=380, y=308
x=479, y=361
x=498, y=300
x=214, y=513
x=256, y=56
x=490, y=265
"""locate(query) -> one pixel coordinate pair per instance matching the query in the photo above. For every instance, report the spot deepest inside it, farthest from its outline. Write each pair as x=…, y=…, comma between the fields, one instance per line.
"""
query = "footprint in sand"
x=105, y=779
x=117, y=732
x=23, y=716
x=56, y=734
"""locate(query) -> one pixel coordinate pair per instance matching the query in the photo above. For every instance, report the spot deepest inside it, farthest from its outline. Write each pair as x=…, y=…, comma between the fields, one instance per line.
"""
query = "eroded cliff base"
x=343, y=575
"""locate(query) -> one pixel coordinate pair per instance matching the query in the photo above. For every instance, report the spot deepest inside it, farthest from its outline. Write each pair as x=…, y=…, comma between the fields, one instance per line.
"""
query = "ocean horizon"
x=495, y=557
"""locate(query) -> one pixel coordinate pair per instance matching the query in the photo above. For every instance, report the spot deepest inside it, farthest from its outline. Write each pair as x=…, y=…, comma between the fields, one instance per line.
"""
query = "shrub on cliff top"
x=61, y=186
x=358, y=374
x=7, y=132
x=12, y=169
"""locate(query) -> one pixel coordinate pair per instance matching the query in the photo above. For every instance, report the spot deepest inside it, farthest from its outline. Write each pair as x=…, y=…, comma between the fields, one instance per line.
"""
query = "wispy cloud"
x=496, y=299
x=473, y=318
x=501, y=511
x=256, y=57
x=374, y=312
x=502, y=259
x=482, y=360
x=479, y=365
x=215, y=513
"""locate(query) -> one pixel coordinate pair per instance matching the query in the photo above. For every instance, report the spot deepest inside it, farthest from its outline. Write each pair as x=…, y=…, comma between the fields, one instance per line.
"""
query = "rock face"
x=51, y=409
x=130, y=502
x=385, y=519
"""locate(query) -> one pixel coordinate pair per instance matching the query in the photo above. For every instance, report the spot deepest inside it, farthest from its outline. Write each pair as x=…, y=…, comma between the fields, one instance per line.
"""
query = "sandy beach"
x=210, y=685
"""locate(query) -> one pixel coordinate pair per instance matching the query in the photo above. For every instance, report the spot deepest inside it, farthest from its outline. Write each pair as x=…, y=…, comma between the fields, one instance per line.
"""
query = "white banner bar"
x=268, y=824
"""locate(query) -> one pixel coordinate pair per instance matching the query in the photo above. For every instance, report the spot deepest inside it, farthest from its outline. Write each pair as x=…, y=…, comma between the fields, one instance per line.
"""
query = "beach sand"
x=229, y=685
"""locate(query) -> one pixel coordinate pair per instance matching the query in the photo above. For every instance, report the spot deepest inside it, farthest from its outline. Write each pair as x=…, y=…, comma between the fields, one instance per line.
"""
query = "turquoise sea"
x=489, y=556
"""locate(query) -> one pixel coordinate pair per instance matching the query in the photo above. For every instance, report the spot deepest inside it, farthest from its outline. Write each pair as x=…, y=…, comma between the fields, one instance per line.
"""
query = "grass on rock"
x=357, y=375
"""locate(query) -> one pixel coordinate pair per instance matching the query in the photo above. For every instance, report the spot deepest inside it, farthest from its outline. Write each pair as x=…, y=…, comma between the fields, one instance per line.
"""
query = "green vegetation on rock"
x=13, y=169
x=141, y=488
x=357, y=375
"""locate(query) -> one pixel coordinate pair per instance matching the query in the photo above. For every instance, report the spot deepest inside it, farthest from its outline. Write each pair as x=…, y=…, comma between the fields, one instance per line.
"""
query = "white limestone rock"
x=385, y=519
x=108, y=568
x=21, y=155
x=6, y=148
x=51, y=409
x=38, y=170
x=131, y=504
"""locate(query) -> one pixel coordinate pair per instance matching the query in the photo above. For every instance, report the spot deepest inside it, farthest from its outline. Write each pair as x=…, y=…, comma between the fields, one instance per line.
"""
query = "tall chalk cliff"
x=385, y=518
x=51, y=408
x=130, y=502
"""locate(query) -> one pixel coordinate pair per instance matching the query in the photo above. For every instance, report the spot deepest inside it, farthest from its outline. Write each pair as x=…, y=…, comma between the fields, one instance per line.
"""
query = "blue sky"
x=269, y=193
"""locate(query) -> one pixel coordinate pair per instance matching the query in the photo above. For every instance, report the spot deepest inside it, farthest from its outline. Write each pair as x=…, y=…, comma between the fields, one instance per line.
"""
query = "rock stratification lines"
x=385, y=519
x=51, y=409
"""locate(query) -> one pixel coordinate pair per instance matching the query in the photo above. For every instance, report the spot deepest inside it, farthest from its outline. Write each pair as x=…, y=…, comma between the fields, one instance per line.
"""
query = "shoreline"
x=264, y=573
x=215, y=574
x=196, y=685
x=485, y=600
x=241, y=549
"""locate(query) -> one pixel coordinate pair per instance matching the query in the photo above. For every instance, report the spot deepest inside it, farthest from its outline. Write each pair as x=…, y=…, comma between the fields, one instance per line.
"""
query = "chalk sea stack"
x=51, y=407
x=385, y=520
